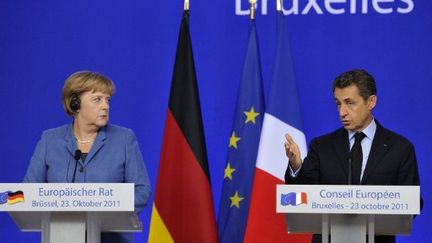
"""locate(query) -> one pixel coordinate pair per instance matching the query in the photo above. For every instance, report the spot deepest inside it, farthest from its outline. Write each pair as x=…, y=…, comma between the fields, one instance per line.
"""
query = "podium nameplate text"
x=346, y=212
x=64, y=212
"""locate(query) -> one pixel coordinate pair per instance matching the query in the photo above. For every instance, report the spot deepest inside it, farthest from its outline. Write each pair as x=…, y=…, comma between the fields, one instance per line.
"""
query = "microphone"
x=76, y=157
x=350, y=159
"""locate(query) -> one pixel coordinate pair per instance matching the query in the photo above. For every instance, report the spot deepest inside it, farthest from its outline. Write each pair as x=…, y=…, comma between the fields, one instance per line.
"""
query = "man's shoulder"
x=391, y=135
x=333, y=135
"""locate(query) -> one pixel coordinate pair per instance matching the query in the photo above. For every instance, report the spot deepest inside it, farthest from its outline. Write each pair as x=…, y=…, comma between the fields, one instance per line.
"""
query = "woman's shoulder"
x=116, y=130
x=57, y=131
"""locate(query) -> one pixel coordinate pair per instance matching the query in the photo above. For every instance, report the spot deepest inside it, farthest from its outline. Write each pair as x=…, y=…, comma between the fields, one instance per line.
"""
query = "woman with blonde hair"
x=89, y=150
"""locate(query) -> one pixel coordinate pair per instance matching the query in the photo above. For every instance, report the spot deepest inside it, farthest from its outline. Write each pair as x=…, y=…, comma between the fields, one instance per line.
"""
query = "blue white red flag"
x=282, y=116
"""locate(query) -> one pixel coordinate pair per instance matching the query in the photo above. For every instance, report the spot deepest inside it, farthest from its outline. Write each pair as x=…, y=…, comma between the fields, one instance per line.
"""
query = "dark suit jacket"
x=391, y=161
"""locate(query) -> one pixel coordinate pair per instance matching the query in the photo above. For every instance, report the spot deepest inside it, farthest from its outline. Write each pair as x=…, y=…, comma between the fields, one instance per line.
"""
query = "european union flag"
x=4, y=197
x=242, y=147
x=288, y=199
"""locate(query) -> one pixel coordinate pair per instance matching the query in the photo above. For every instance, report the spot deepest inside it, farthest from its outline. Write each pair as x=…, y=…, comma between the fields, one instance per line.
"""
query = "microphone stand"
x=76, y=157
x=350, y=169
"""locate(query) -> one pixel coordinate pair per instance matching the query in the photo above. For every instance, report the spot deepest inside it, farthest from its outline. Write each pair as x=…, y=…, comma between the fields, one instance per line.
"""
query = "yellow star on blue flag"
x=228, y=171
x=251, y=115
x=235, y=200
x=233, y=140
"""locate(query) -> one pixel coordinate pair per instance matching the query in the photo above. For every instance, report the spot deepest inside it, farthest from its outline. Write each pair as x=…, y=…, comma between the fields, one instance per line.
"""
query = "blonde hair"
x=84, y=81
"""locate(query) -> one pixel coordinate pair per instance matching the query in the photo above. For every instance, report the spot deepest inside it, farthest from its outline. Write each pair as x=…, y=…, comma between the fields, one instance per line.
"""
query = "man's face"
x=354, y=112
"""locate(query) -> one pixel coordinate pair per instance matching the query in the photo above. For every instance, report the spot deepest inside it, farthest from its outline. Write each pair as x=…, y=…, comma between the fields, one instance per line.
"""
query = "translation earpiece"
x=75, y=103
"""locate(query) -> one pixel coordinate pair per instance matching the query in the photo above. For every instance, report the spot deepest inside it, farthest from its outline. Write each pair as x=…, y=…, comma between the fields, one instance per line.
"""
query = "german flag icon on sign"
x=15, y=197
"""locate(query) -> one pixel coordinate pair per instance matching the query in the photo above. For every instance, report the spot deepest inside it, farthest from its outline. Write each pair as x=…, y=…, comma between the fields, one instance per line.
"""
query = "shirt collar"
x=369, y=131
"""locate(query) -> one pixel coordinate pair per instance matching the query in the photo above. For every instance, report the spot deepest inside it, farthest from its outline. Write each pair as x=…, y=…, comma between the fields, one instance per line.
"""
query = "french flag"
x=282, y=116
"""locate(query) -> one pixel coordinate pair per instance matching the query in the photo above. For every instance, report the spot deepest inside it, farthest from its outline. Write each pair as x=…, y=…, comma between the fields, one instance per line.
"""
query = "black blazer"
x=391, y=161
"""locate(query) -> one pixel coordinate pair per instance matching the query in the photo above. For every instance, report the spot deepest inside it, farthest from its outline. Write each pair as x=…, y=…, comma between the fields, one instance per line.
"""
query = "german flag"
x=15, y=197
x=183, y=206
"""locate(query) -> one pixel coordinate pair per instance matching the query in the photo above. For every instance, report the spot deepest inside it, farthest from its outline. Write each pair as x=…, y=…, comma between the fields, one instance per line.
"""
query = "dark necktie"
x=357, y=158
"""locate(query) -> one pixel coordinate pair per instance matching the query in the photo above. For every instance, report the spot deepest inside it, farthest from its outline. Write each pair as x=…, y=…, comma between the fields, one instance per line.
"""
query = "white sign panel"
x=345, y=199
x=66, y=197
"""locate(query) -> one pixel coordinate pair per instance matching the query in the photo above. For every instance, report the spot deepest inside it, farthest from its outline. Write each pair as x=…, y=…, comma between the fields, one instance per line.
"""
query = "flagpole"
x=252, y=9
x=279, y=5
x=186, y=5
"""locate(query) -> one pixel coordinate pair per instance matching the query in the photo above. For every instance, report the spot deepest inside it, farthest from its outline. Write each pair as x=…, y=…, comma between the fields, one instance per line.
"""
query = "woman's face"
x=94, y=109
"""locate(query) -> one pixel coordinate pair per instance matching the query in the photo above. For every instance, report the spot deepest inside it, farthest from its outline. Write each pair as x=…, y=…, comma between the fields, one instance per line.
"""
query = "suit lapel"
x=342, y=149
x=98, y=144
x=70, y=141
x=380, y=146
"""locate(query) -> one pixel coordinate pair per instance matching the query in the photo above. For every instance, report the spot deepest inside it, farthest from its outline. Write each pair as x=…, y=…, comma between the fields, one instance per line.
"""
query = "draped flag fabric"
x=242, y=147
x=183, y=207
x=282, y=116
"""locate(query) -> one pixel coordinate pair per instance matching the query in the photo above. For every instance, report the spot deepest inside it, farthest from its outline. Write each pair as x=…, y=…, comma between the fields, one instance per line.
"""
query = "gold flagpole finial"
x=279, y=5
x=186, y=5
x=252, y=9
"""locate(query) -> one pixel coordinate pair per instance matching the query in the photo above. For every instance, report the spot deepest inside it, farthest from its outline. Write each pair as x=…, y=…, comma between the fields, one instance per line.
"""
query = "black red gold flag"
x=183, y=206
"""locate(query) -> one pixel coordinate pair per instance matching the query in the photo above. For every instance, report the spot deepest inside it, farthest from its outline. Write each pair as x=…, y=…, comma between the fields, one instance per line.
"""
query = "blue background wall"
x=133, y=42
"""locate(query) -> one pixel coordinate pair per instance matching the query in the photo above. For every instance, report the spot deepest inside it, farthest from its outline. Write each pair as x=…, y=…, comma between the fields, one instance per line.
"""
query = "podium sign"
x=344, y=199
x=348, y=212
x=71, y=213
x=66, y=197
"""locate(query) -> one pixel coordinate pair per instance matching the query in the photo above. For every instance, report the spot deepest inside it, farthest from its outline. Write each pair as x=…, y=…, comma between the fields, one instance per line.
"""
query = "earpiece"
x=75, y=103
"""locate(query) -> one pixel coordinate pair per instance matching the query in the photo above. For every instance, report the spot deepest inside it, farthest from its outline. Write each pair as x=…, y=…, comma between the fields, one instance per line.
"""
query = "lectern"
x=348, y=213
x=71, y=213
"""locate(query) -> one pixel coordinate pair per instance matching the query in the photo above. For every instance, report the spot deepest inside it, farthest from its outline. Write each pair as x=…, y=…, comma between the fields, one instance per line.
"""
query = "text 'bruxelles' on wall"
x=335, y=7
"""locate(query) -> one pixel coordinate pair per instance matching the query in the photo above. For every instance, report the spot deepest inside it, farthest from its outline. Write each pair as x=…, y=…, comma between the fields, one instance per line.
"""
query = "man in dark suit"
x=379, y=156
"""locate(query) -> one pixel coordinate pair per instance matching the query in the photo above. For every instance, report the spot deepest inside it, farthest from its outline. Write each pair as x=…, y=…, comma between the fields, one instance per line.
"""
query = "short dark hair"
x=358, y=77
